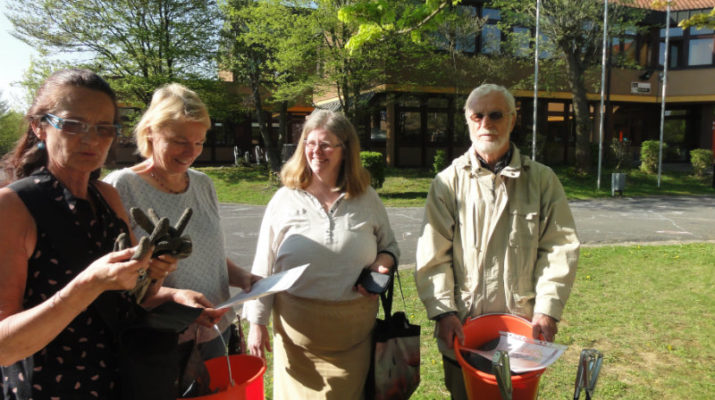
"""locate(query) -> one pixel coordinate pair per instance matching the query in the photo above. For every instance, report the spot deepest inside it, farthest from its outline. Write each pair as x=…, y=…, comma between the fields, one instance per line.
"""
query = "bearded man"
x=498, y=235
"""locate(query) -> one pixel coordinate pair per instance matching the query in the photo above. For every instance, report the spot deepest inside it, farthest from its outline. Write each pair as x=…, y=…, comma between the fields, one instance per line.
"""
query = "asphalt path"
x=666, y=219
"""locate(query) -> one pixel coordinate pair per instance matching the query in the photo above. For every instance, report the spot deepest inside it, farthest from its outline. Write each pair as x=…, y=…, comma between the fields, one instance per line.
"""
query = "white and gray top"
x=205, y=270
x=337, y=244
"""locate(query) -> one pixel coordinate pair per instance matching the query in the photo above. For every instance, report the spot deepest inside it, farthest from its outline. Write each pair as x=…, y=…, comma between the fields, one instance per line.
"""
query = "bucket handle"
x=228, y=360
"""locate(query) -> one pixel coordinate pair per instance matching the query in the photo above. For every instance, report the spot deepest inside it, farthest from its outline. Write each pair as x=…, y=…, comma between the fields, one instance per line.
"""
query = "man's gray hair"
x=484, y=90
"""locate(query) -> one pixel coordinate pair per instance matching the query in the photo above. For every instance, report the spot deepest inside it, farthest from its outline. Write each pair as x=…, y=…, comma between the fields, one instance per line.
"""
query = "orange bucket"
x=483, y=385
x=247, y=372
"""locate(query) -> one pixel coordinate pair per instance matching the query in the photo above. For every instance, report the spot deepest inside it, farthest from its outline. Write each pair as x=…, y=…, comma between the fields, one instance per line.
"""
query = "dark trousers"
x=453, y=379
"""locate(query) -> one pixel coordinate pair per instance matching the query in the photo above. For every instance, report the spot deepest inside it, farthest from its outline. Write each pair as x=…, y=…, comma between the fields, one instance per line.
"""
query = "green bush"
x=440, y=161
x=649, y=155
x=621, y=154
x=374, y=163
x=702, y=160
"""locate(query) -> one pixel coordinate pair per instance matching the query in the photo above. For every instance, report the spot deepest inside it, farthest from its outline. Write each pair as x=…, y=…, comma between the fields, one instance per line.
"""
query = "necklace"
x=166, y=187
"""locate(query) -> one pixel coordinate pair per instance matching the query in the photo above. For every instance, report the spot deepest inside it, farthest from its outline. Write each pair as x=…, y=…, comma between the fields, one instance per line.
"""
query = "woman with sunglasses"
x=59, y=228
x=329, y=217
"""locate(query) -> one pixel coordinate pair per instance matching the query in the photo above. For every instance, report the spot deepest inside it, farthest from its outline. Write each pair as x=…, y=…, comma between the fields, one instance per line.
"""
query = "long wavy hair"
x=353, y=178
x=26, y=157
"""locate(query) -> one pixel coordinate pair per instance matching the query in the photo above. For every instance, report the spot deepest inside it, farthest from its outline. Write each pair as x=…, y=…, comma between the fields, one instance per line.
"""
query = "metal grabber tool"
x=502, y=371
x=589, y=366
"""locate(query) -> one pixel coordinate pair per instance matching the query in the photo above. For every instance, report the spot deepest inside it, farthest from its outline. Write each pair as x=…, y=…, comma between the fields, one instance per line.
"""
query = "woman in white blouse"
x=329, y=217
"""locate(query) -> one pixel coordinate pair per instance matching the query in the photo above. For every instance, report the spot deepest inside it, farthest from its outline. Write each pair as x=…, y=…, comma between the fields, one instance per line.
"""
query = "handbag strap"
x=387, y=297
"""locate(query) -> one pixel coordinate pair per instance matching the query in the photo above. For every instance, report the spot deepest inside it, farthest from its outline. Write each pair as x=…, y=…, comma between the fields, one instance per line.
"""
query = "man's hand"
x=448, y=327
x=543, y=324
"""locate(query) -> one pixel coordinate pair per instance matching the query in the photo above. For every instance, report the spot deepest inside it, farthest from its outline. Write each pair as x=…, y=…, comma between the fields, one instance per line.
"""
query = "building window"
x=221, y=135
x=521, y=41
x=700, y=51
x=410, y=127
x=490, y=38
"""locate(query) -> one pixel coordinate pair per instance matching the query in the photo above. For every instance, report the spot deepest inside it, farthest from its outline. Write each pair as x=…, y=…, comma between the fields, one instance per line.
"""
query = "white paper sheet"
x=525, y=354
x=268, y=285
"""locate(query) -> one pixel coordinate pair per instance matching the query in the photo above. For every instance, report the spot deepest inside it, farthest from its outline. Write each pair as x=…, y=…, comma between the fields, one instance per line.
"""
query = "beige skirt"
x=321, y=349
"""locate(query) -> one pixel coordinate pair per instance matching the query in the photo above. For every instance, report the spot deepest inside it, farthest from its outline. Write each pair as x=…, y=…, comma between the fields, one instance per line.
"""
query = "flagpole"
x=536, y=80
x=663, y=90
x=603, y=90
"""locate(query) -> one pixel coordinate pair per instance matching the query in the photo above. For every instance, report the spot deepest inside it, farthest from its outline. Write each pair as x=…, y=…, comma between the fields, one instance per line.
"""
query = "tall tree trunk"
x=581, y=114
x=269, y=146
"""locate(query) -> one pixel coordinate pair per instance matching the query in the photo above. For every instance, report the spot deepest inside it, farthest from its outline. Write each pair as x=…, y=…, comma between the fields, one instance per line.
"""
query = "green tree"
x=11, y=123
x=380, y=19
x=138, y=45
x=255, y=49
x=574, y=29
x=700, y=21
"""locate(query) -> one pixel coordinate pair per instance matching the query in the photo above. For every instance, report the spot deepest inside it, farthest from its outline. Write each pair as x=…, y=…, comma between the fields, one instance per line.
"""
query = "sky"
x=14, y=60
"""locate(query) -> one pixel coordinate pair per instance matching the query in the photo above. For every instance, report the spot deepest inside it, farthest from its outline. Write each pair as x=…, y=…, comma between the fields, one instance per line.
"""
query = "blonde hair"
x=172, y=102
x=353, y=178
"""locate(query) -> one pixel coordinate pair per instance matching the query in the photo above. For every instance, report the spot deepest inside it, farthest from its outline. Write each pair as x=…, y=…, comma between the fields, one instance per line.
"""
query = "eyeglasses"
x=323, y=146
x=75, y=127
x=494, y=116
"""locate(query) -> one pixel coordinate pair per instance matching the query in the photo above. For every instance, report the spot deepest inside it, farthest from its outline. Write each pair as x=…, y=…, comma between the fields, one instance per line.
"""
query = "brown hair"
x=26, y=157
x=353, y=178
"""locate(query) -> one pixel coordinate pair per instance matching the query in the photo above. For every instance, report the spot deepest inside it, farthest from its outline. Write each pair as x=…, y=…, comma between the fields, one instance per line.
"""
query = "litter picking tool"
x=589, y=366
x=502, y=371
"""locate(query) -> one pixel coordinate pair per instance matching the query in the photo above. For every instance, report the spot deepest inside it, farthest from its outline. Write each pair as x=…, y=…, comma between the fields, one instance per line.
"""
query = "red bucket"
x=247, y=372
x=482, y=385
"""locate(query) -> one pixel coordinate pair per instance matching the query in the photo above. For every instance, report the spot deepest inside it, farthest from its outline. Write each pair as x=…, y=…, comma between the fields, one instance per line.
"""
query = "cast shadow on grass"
x=404, y=195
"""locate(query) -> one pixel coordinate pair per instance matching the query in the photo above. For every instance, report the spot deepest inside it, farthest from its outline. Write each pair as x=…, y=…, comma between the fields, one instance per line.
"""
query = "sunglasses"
x=74, y=127
x=494, y=116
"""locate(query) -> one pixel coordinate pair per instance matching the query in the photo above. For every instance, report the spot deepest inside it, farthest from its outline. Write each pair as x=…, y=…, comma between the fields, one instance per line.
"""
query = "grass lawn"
x=409, y=187
x=648, y=309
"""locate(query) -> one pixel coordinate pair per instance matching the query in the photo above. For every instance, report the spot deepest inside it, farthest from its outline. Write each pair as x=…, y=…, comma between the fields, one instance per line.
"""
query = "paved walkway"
x=666, y=219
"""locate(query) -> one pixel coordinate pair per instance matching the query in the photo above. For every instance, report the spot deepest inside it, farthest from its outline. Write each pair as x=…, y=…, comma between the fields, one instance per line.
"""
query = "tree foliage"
x=700, y=21
x=574, y=28
x=138, y=45
x=11, y=123
x=265, y=45
x=378, y=19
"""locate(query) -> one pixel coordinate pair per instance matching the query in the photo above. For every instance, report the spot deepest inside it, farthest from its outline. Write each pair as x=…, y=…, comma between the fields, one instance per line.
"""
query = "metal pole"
x=536, y=80
x=665, y=84
x=603, y=90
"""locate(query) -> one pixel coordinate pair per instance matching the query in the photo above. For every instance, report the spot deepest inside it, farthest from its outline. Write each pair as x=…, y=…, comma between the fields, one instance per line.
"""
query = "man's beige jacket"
x=503, y=243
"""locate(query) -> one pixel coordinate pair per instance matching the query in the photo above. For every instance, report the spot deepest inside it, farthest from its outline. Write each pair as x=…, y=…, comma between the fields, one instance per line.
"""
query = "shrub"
x=374, y=163
x=649, y=155
x=440, y=161
x=621, y=153
x=702, y=160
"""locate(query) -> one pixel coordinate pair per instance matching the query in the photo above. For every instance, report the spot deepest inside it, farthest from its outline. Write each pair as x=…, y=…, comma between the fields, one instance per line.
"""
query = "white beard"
x=486, y=148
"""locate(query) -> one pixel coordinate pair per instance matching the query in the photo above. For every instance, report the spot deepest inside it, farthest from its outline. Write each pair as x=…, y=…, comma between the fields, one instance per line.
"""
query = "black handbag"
x=395, y=363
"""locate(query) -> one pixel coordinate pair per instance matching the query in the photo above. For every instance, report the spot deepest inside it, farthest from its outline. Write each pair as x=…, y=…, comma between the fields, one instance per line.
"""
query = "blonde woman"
x=170, y=136
x=327, y=216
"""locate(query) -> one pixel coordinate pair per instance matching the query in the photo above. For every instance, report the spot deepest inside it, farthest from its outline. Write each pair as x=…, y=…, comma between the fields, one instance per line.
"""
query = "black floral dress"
x=81, y=362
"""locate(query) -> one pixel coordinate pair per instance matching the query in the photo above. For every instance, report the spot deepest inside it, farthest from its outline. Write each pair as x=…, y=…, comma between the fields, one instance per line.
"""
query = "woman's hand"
x=259, y=340
x=383, y=264
x=161, y=266
x=116, y=270
x=210, y=316
x=240, y=277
